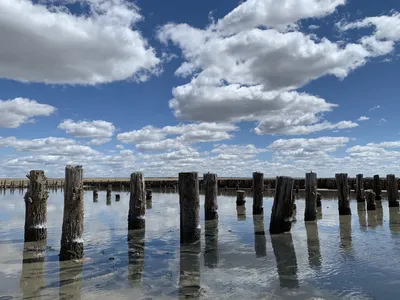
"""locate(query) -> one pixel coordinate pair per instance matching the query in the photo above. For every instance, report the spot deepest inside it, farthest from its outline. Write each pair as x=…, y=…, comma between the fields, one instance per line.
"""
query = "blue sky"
x=229, y=87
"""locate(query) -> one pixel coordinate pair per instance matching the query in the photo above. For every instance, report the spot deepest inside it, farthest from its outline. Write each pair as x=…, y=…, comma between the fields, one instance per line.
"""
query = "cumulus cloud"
x=244, y=67
x=176, y=137
x=363, y=118
x=100, y=131
x=54, y=45
x=15, y=112
x=237, y=151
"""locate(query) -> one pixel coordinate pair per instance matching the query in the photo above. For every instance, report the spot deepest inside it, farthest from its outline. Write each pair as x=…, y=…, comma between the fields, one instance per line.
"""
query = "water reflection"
x=394, y=219
x=32, y=281
x=345, y=232
x=319, y=213
x=362, y=214
x=241, y=213
x=70, y=279
x=260, y=242
x=314, y=251
x=372, y=218
x=379, y=212
x=108, y=201
x=149, y=203
x=136, y=244
x=189, y=278
x=211, y=251
x=286, y=261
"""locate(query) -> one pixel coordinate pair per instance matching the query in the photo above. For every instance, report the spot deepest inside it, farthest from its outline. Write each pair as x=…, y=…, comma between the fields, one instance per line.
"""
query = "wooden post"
x=95, y=195
x=240, y=196
x=370, y=196
x=319, y=198
x=109, y=190
x=149, y=194
x=36, y=207
x=343, y=194
x=360, y=188
x=210, y=198
x=392, y=191
x=310, y=213
x=282, y=209
x=377, y=187
x=117, y=197
x=189, y=207
x=258, y=189
x=72, y=228
x=137, y=202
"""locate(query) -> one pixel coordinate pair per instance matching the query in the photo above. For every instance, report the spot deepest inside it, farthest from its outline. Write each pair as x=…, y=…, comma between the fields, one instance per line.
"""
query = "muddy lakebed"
x=337, y=257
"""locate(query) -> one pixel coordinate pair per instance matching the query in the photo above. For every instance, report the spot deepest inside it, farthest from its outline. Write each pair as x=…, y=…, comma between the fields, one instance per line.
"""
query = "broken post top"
x=134, y=175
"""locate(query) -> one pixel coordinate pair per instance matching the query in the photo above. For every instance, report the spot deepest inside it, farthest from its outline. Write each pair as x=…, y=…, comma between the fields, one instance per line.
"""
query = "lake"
x=346, y=257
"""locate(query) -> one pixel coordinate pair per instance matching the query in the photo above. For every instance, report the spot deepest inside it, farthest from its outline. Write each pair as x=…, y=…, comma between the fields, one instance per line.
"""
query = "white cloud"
x=375, y=107
x=121, y=147
x=363, y=118
x=48, y=146
x=382, y=121
x=126, y=152
x=237, y=151
x=53, y=45
x=100, y=131
x=313, y=27
x=15, y=112
x=156, y=139
x=243, y=68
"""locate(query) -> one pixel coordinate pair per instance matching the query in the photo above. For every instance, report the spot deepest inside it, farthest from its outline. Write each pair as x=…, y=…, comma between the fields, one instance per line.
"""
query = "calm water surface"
x=348, y=257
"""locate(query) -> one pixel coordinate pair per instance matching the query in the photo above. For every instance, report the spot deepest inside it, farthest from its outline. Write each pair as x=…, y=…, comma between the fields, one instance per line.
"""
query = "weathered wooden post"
x=72, y=228
x=240, y=198
x=210, y=197
x=282, y=209
x=189, y=207
x=343, y=194
x=95, y=195
x=109, y=190
x=392, y=191
x=260, y=241
x=117, y=197
x=137, y=202
x=319, y=198
x=36, y=207
x=258, y=190
x=377, y=188
x=370, y=196
x=149, y=194
x=360, y=188
x=310, y=213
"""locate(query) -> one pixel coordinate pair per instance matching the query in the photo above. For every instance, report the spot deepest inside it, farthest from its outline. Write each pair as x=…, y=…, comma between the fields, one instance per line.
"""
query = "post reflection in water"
x=286, y=261
x=211, y=251
x=394, y=219
x=379, y=212
x=362, y=214
x=32, y=281
x=371, y=218
x=319, y=213
x=260, y=241
x=313, y=246
x=345, y=232
x=149, y=203
x=189, y=278
x=241, y=213
x=136, y=244
x=70, y=279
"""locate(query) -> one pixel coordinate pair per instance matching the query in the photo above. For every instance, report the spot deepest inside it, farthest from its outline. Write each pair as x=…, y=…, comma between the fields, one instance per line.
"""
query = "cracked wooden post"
x=72, y=228
x=310, y=213
x=240, y=196
x=377, y=188
x=392, y=191
x=360, y=188
x=370, y=196
x=137, y=202
x=189, y=207
x=210, y=197
x=282, y=209
x=95, y=195
x=258, y=190
x=343, y=194
x=36, y=207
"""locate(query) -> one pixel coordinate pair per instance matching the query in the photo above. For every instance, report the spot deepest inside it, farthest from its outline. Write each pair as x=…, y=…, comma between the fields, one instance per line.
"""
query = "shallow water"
x=348, y=257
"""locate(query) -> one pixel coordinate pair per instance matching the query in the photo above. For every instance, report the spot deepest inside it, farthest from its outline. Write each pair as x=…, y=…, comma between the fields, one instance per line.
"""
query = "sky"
x=230, y=87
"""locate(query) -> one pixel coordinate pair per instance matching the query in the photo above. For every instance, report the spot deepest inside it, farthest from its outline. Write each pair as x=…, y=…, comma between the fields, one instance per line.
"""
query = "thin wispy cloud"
x=363, y=118
x=375, y=107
